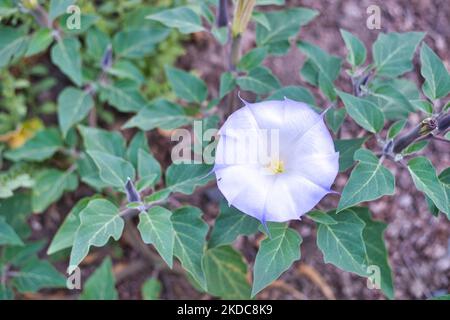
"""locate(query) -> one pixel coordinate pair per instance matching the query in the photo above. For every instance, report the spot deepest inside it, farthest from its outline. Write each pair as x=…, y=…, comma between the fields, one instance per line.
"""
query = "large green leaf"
x=282, y=25
x=227, y=84
x=184, y=178
x=356, y=50
x=66, y=233
x=73, y=106
x=259, y=80
x=354, y=243
x=137, y=143
x=393, y=103
x=324, y=68
x=347, y=149
x=342, y=243
x=335, y=118
x=159, y=114
x=186, y=86
x=13, y=45
x=226, y=273
x=42, y=146
x=393, y=52
x=38, y=274
x=96, y=139
x=369, y=181
x=8, y=235
x=50, y=185
x=101, y=284
x=230, y=224
x=66, y=55
x=437, y=78
x=184, y=19
x=425, y=179
x=16, y=210
x=190, y=241
x=149, y=169
x=137, y=43
x=275, y=255
x=156, y=228
x=99, y=221
x=123, y=95
x=114, y=170
x=364, y=112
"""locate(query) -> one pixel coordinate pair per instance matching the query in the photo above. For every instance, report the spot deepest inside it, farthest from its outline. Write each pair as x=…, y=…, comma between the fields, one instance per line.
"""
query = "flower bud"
x=242, y=15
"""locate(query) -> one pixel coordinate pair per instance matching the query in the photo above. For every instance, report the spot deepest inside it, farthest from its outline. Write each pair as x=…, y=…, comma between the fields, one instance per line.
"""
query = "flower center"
x=276, y=166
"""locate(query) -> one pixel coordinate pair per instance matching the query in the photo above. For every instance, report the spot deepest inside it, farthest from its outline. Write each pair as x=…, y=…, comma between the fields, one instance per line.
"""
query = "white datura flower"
x=275, y=160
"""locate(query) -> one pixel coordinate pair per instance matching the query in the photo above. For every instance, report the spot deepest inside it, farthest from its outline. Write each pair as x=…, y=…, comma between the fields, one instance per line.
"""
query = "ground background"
x=418, y=243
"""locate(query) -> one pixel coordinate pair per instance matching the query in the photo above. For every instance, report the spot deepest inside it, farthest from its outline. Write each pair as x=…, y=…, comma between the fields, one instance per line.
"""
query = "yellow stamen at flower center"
x=276, y=166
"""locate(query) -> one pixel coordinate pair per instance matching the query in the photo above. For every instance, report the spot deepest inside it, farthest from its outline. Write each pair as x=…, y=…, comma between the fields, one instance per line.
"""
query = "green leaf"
x=96, y=43
x=347, y=149
x=151, y=289
x=342, y=243
x=368, y=181
x=184, y=19
x=260, y=80
x=7, y=234
x=73, y=106
x=66, y=233
x=335, y=117
x=393, y=52
x=326, y=67
x=364, y=112
x=39, y=42
x=96, y=139
x=376, y=253
x=392, y=101
x=295, y=93
x=356, y=49
x=437, y=78
x=13, y=45
x=58, y=7
x=36, y=275
x=414, y=147
x=42, y=146
x=221, y=34
x=99, y=221
x=190, y=241
x=252, y=59
x=227, y=84
x=226, y=273
x=185, y=178
x=159, y=114
x=275, y=255
x=230, y=224
x=395, y=129
x=6, y=293
x=425, y=179
x=50, y=185
x=355, y=243
x=123, y=95
x=156, y=228
x=16, y=210
x=114, y=170
x=149, y=169
x=86, y=21
x=66, y=55
x=137, y=143
x=423, y=105
x=283, y=25
x=186, y=86
x=101, y=284
x=138, y=43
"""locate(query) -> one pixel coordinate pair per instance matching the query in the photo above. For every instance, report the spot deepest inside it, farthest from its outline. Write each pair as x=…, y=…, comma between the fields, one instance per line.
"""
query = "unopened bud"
x=132, y=194
x=30, y=4
x=242, y=15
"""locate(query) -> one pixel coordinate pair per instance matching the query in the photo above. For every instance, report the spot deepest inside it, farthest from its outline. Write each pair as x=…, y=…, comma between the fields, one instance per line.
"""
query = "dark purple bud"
x=222, y=14
x=107, y=58
x=132, y=194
